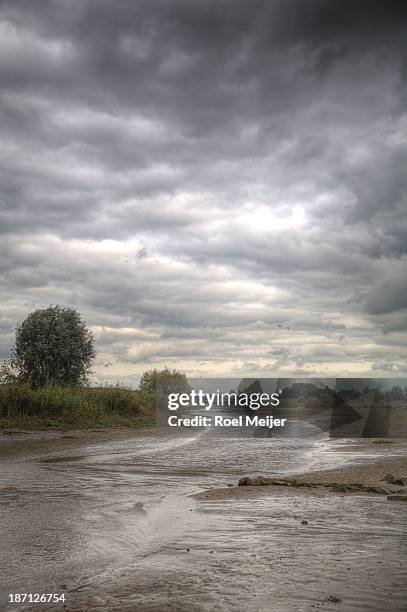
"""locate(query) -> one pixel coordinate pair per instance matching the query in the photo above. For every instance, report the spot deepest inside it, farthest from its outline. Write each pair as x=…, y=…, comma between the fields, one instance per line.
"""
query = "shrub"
x=164, y=382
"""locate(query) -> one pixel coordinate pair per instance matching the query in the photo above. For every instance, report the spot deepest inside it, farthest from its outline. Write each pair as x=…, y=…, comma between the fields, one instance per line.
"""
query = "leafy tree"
x=53, y=346
x=8, y=372
x=164, y=381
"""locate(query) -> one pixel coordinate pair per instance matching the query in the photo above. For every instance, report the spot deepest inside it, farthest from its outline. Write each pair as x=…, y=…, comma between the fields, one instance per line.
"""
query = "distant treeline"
x=309, y=391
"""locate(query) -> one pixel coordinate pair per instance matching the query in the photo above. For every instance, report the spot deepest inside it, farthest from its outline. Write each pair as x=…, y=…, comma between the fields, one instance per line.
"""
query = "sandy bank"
x=371, y=476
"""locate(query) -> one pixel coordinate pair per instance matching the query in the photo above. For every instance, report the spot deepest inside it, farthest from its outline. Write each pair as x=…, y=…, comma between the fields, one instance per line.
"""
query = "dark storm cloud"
x=254, y=150
x=389, y=295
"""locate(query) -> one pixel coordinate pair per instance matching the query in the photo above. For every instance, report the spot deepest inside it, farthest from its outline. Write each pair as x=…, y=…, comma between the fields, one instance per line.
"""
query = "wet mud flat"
x=148, y=523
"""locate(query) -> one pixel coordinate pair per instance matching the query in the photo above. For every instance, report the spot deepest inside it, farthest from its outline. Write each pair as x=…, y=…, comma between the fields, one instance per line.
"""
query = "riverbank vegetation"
x=46, y=384
x=74, y=407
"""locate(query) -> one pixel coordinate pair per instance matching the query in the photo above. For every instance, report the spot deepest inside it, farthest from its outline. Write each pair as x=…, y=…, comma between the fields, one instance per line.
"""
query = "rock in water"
x=395, y=480
x=388, y=478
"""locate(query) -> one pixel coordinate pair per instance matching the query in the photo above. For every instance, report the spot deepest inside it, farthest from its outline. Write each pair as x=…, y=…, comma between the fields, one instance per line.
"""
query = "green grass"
x=73, y=407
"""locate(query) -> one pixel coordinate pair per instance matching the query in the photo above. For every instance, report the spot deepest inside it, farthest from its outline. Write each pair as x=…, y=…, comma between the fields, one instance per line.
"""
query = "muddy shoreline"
x=133, y=520
x=20, y=442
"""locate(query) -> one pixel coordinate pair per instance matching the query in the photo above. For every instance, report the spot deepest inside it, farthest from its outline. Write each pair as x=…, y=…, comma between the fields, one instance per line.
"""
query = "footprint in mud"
x=139, y=507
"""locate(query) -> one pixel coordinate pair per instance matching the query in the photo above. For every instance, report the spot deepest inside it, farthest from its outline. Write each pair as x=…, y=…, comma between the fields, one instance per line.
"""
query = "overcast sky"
x=217, y=186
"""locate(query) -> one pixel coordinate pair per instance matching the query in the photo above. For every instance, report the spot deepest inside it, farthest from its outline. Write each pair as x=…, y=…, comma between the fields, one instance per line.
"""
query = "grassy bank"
x=74, y=407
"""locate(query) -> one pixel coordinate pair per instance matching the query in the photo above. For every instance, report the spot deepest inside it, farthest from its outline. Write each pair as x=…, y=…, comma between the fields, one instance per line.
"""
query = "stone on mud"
x=397, y=497
x=335, y=487
x=395, y=480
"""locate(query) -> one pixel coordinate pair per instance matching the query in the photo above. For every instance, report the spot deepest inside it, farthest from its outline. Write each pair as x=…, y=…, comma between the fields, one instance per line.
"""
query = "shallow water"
x=114, y=526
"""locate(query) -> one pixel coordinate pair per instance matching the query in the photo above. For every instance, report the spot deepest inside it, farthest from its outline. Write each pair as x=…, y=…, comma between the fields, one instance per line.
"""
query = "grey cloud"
x=193, y=131
x=388, y=296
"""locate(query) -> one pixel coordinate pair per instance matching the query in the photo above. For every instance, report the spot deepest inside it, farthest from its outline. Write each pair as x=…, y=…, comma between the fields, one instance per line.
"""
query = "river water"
x=115, y=525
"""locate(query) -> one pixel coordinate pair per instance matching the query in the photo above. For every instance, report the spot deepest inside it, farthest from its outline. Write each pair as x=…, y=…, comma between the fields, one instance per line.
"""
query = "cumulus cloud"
x=219, y=182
